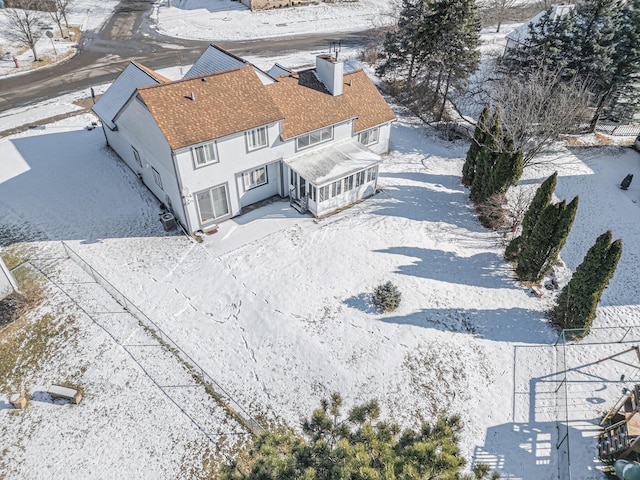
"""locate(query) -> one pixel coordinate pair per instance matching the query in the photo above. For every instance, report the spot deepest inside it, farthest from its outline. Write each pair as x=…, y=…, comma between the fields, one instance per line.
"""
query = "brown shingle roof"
x=364, y=98
x=307, y=105
x=236, y=100
x=226, y=102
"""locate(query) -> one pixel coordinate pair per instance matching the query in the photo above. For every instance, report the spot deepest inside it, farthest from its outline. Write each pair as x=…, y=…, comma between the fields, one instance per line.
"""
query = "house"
x=228, y=135
x=518, y=37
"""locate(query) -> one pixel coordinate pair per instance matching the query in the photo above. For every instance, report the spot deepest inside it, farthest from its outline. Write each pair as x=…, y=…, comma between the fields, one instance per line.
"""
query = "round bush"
x=386, y=297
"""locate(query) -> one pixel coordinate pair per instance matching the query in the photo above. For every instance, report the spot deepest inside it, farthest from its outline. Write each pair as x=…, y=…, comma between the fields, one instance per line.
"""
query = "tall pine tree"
x=477, y=143
x=577, y=302
x=492, y=165
x=598, y=42
x=541, y=248
x=540, y=201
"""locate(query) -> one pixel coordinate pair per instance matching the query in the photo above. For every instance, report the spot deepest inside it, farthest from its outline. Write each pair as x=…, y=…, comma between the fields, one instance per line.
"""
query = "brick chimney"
x=331, y=73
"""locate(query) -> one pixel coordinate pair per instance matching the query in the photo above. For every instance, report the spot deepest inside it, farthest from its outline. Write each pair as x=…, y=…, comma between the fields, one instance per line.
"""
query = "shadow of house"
x=67, y=186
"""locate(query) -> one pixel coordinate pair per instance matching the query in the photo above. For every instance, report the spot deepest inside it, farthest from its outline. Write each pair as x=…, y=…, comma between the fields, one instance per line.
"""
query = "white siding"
x=382, y=145
x=119, y=92
x=233, y=158
x=345, y=198
x=136, y=128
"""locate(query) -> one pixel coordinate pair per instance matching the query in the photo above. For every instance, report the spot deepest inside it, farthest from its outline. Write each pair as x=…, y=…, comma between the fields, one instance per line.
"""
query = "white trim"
x=251, y=179
x=253, y=134
x=209, y=147
x=316, y=142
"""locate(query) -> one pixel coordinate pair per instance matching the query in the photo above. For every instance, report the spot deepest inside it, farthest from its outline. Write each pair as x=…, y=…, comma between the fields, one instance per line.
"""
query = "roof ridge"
x=199, y=77
x=152, y=73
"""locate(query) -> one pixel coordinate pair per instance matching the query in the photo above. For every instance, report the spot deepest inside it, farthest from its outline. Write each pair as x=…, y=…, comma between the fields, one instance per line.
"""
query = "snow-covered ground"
x=275, y=308
x=275, y=305
x=86, y=15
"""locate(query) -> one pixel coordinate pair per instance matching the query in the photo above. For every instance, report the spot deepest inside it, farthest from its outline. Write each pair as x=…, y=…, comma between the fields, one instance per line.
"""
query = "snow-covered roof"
x=521, y=33
x=215, y=59
x=333, y=162
x=132, y=77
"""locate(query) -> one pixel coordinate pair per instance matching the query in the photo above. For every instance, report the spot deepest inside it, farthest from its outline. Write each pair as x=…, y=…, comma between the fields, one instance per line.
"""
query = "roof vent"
x=193, y=97
x=204, y=79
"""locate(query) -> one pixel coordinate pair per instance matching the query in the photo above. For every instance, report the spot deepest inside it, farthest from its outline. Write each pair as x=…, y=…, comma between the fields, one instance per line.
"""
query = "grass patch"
x=27, y=344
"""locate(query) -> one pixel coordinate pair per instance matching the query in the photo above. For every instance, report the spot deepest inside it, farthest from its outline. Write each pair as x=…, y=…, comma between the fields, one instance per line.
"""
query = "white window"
x=348, y=183
x=309, y=139
x=257, y=138
x=336, y=188
x=136, y=155
x=372, y=173
x=370, y=137
x=212, y=204
x=360, y=178
x=156, y=177
x=204, y=154
x=255, y=178
x=324, y=193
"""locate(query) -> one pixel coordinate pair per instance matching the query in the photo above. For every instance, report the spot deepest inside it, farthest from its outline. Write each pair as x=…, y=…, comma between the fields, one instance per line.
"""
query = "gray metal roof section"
x=214, y=60
x=110, y=103
x=278, y=70
x=333, y=162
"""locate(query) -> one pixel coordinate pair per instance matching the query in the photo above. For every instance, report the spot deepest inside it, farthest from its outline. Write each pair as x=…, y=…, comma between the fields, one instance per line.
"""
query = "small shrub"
x=386, y=297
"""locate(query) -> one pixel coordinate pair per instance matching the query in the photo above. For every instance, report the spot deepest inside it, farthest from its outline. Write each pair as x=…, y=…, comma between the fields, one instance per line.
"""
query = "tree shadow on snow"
x=487, y=270
x=501, y=324
x=361, y=302
x=435, y=198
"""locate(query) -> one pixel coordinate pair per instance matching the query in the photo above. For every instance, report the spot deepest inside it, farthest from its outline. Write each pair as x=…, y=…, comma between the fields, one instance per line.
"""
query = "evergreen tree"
x=540, y=201
x=455, y=46
x=477, y=143
x=507, y=169
x=402, y=45
x=436, y=44
x=577, y=302
x=600, y=42
x=541, y=248
x=356, y=447
x=482, y=185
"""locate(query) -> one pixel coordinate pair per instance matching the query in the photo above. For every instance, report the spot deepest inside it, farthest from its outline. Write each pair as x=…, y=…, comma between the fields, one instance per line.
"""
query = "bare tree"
x=24, y=26
x=499, y=11
x=535, y=110
x=59, y=13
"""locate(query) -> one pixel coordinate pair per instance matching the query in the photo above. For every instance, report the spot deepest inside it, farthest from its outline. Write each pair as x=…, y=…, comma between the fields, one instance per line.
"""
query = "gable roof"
x=215, y=59
x=132, y=77
x=521, y=33
x=223, y=103
x=308, y=106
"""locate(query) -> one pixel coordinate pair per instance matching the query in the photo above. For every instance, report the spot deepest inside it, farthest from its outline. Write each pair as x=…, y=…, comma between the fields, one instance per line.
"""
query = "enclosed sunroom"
x=332, y=178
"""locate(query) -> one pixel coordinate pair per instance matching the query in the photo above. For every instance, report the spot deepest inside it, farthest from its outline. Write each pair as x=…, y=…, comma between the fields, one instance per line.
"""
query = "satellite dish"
x=49, y=33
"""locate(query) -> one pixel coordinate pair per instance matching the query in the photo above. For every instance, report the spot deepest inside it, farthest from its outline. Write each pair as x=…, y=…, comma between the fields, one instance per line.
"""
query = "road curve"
x=128, y=35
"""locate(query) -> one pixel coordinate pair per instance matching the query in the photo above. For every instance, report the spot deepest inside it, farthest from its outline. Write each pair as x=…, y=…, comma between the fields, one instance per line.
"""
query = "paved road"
x=126, y=36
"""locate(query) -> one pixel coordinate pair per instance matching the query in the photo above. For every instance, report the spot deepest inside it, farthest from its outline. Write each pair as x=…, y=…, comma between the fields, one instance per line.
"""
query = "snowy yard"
x=274, y=307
